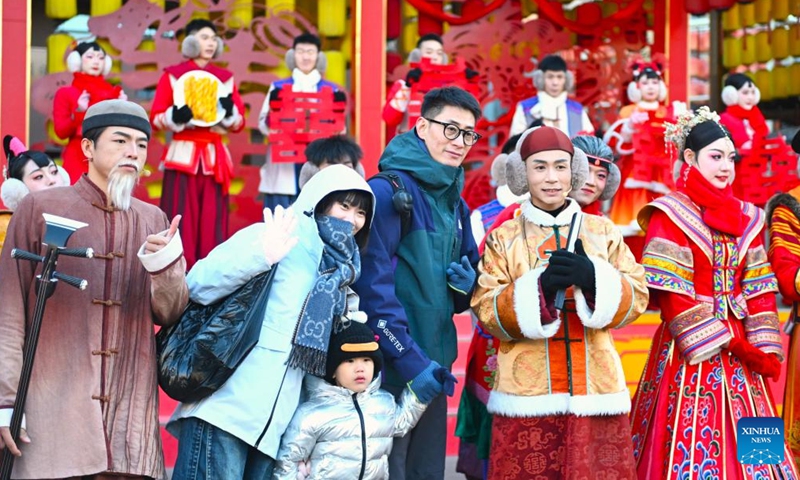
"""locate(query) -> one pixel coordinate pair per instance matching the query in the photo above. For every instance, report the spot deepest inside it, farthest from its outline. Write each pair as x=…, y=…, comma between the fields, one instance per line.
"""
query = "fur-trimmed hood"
x=790, y=200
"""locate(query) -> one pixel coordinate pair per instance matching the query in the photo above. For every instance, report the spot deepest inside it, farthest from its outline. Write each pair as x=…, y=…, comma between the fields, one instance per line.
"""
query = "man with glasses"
x=419, y=268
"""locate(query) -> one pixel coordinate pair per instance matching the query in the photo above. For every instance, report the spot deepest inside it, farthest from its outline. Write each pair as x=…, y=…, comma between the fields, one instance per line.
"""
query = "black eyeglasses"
x=451, y=132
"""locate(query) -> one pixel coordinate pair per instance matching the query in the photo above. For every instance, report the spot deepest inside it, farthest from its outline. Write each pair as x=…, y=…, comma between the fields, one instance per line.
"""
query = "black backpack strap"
x=402, y=201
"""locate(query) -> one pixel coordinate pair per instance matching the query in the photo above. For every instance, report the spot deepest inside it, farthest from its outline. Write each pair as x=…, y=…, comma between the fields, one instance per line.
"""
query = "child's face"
x=355, y=374
x=349, y=213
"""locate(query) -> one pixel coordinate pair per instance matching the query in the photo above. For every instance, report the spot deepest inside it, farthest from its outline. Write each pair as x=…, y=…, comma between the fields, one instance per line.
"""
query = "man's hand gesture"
x=157, y=241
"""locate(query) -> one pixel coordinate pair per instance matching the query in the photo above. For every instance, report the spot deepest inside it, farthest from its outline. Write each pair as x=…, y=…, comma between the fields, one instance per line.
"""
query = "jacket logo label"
x=390, y=336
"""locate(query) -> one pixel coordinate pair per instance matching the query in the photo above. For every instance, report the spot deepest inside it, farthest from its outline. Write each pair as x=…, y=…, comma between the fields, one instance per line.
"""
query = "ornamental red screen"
x=298, y=118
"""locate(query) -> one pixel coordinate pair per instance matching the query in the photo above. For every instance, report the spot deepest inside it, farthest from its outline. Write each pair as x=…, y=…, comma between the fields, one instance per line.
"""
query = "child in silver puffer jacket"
x=346, y=426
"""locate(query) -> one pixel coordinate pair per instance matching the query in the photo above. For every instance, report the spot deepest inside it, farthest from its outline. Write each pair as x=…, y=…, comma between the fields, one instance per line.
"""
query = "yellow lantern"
x=748, y=49
x=104, y=7
x=730, y=19
x=764, y=81
x=731, y=52
x=57, y=46
x=794, y=40
x=794, y=8
x=780, y=43
x=279, y=5
x=409, y=36
x=347, y=43
x=61, y=8
x=332, y=17
x=763, y=51
x=281, y=71
x=762, y=11
x=794, y=72
x=780, y=9
x=747, y=14
x=781, y=81
x=337, y=67
x=241, y=14
x=148, y=45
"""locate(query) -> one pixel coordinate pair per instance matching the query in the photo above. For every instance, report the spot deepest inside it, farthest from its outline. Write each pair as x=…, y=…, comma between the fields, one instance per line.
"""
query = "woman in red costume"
x=89, y=65
x=197, y=165
x=707, y=270
x=638, y=137
x=742, y=117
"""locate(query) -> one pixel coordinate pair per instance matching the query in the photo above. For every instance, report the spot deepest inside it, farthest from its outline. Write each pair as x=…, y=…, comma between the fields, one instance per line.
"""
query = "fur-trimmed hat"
x=543, y=139
x=599, y=153
x=551, y=63
x=190, y=47
x=353, y=340
x=498, y=169
x=734, y=83
x=646, y=70
x=117, y=113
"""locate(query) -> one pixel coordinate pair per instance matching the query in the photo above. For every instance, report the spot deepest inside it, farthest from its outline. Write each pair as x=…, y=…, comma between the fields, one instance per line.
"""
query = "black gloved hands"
x=275, y=95
x=227, y=104
x=470, y=73
x=182, y=115
x=339, y=96
x=413, y=76
x=567, y=269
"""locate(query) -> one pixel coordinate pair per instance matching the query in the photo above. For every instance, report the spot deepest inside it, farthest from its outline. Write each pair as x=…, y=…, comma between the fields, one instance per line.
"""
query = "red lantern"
x=721, y=4
x=697, y=7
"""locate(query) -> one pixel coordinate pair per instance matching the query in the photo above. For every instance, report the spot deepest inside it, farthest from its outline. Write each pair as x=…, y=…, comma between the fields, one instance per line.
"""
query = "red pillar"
x=369, y=78
x=15, y=76
x=677, y=50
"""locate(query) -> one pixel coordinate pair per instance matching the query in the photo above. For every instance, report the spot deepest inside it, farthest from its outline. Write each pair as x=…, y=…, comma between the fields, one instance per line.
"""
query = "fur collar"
x=505, y=197
x=789, y=200
x=543, y=219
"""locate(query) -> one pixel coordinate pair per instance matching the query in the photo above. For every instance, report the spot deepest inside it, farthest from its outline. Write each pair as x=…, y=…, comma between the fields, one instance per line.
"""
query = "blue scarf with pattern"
x=339, y=268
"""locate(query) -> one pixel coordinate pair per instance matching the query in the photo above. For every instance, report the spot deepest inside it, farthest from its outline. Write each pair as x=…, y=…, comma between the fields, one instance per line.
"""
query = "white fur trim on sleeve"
x=155, y=262
x=5, y=417
x=166, y=120
x=234, y=120
x=608, y=295
x=528, y=308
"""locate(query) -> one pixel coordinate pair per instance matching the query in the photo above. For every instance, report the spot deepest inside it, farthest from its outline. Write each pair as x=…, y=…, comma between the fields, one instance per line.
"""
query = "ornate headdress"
x=676, y=133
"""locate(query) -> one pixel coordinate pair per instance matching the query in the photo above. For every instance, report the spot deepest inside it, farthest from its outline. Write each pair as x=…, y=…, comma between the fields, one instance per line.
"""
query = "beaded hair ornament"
x=676, y=133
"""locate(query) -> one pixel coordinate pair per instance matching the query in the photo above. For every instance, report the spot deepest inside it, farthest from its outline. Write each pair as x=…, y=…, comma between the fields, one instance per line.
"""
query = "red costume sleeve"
x=66, y=121
x=669, y=270
x=391, y=115
x=736, y=127
x=239, y=104
x=161, y=102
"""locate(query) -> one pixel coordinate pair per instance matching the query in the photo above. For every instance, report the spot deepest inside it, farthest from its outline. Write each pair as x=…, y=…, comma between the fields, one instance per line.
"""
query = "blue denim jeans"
x=206, y=452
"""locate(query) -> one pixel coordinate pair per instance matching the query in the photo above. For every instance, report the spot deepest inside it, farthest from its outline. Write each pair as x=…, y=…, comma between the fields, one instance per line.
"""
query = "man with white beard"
x=92, y=409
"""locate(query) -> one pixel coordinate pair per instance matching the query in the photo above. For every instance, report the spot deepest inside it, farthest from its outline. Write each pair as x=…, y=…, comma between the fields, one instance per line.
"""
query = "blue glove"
x=425, y=386
x=447, y=380
x=461, y=277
